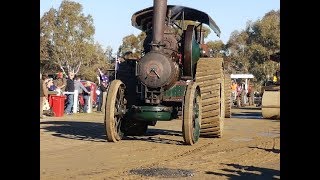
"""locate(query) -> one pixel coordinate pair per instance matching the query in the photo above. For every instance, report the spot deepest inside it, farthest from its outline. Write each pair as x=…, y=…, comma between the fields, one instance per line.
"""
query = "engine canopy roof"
x=143, y=17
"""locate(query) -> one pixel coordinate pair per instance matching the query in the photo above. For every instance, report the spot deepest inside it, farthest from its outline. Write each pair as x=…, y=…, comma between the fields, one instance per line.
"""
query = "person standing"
x=79, y=86
x=60, y=82
x=81, y=90
x=50, y=85
x=102, y=88
x=86, y=96
x=70, y=97
x=103, y=85
x=275, y=79
x=234, y=90
x=43, y=94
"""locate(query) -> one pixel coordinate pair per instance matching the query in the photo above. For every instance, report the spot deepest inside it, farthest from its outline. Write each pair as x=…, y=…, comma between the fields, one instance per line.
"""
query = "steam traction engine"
x=174, y=77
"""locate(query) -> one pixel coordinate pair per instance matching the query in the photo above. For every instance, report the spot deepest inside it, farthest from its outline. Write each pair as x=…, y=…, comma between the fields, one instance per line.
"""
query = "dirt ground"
x=74, y=147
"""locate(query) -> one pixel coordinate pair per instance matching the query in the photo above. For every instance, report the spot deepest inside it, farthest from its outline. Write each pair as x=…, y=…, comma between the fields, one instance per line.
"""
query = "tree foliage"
x=66, y=41
x=216, y=48
x=250, y=49
x=133, y=44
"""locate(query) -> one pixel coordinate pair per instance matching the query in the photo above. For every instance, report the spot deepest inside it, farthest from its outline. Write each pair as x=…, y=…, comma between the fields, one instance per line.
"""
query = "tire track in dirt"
x=244, y=144
x=256, y=155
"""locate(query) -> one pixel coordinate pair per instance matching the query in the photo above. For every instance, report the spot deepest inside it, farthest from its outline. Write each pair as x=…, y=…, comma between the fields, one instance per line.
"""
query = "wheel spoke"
x=118, y=124
x=117, y=113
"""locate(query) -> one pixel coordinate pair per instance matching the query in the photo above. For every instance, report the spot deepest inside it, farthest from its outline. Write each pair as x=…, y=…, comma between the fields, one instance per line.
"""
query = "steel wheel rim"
x=195, y=117
x=119, y=113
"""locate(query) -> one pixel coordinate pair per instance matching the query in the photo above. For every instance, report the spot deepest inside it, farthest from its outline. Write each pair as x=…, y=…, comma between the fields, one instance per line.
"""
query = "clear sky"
x=112, y=19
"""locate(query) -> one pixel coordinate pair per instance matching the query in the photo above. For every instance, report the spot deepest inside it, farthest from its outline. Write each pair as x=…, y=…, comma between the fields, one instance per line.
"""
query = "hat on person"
x=60, y=74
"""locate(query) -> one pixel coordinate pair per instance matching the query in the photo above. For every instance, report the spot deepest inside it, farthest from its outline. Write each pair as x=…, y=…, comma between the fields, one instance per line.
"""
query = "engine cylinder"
x=156, y=70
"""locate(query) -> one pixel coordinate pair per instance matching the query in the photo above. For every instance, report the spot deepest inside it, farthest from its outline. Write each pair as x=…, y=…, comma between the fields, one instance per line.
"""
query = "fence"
x=76, y=101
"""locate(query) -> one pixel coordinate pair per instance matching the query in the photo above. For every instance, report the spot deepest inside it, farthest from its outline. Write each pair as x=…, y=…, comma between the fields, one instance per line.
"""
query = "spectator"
x=60, y=82
x=69, y=88
x=234, y=90
x=275, y=79
x=50, y=85
x=239, y=89
x=103, y=84
x=81, y=89
x=250, y=94
x=43, y=94
x=103, y=78
x=86, y=96
x=79, y=86
x=99, y=94
x=102, y=88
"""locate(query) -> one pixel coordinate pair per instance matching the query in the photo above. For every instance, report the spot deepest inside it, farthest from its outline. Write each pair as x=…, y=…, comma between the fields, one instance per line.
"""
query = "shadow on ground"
x=248, y=108
x=240, y=172
x=247, y=115
x=273, y=150
x=87, y=131
x=151, y=136
x=92, y=131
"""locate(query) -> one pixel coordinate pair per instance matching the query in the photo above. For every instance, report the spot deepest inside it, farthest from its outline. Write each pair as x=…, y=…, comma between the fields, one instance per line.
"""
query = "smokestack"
x=159, y=16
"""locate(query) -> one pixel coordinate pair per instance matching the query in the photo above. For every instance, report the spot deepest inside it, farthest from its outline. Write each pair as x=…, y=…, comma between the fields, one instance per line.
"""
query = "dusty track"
x=74, y=147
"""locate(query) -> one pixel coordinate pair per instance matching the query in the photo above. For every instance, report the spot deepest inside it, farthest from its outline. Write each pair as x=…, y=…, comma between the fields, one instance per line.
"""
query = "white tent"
x=242, y=76
x=245, y=77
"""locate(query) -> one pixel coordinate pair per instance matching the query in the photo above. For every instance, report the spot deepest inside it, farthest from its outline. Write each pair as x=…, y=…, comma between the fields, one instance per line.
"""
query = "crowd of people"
x=241, y=90
x=65, y=85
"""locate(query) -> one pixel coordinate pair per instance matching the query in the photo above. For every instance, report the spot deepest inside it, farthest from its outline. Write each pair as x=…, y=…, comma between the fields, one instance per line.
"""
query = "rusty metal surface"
x=173, y=98
x=187, y=60
x=156, y=70
x=181, y=83
x=158, y=23
x=143, y=18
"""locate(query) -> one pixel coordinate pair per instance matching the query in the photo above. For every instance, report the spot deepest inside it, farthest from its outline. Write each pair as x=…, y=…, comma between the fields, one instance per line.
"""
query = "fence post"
x=75, y=101
x=104, y=97
x=89, y=105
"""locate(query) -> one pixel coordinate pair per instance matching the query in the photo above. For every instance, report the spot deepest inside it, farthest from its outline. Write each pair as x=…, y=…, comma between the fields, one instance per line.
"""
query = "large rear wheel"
x=115, y=111
x=227, y=90
x=210, y=78
x=271, y=105
x=191, y=114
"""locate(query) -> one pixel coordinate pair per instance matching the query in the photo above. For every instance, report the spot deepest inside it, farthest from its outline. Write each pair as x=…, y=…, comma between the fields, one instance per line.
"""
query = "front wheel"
x=191, y=114
x=114, y=111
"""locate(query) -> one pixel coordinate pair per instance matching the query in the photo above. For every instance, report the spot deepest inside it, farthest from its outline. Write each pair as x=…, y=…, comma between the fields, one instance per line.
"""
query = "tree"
x=108, y=53
x=250, y=49
x=97, y=60
x=133, y=44
x=216, y=47
x=66, y=39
